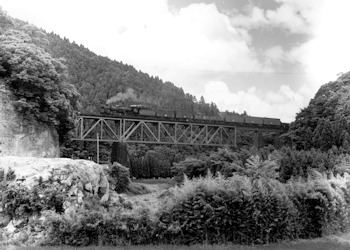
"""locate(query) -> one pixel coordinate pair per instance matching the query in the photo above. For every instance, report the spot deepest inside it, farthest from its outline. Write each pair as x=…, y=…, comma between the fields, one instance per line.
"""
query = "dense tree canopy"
x=324, y=122
x=88, y=70
x=38, y=82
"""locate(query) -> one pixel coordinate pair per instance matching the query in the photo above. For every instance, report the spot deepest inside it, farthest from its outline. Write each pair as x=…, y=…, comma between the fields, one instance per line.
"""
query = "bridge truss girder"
x=108, y=129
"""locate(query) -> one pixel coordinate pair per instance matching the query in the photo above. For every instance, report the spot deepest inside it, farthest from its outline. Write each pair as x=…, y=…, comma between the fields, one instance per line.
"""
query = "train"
x=170, y=114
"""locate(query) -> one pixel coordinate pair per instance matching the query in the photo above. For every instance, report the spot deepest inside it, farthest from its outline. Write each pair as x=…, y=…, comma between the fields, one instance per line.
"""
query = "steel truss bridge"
x=163, y=131
x=141, y=130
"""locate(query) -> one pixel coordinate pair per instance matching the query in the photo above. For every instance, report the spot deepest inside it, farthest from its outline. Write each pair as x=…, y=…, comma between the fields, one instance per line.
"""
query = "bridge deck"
x=162, y=131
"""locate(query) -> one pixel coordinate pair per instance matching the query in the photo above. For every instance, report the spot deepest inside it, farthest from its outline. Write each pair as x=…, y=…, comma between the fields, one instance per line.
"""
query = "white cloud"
x=254, y=18
x=322, y=57
x=197, y=38
x=274, y=56
x=294, y=16
x=283, y=104
x=325, y=55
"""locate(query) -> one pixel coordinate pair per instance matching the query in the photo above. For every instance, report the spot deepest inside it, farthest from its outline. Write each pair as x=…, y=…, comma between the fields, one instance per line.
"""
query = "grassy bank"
x=316, y=244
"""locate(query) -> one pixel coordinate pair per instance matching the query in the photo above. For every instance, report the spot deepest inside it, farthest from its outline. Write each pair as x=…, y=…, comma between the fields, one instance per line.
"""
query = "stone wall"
x=19, y=137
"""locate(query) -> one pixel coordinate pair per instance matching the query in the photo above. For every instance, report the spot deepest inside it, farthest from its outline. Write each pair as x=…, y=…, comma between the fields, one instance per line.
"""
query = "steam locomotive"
x=180, y=115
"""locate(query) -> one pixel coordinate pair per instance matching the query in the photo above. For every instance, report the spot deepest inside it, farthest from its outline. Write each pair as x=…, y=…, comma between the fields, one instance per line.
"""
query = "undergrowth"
x=217, y=210
x=250, y=207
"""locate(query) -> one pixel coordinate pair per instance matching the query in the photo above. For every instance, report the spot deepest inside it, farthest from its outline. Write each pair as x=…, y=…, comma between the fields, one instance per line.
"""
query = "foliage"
x=251, y=206
x=6, y=174
x=20, y=202
x=228, y=162
x=217, y=210
x=245, y=210
x=342, y=164
x=283, y=164
x=76, y=229
x=255, y=168
x=83, y=227
x=118, y=177
x=224, y=161
x=38, y=82
x=322, y=204
x=324, y=122
x=294, y=163
x=86, y=70
x=147, y=161
x=190, y=167
x=236, y=210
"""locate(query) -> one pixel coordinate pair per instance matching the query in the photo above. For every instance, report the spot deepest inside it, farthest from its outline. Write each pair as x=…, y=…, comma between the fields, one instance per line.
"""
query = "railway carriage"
x=253, y=120
x=138, y=110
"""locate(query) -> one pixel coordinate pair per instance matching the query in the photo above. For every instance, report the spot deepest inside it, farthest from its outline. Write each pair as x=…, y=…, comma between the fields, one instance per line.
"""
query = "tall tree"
x=323, y=123
x=38, y=81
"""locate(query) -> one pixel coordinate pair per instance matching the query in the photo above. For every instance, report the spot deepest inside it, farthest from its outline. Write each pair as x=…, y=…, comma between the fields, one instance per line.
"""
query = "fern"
x=6, y=174
x=256, y=168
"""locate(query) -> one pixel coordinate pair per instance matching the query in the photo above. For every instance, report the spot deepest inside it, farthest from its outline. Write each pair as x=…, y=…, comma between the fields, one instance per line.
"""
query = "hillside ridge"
x=99, y=78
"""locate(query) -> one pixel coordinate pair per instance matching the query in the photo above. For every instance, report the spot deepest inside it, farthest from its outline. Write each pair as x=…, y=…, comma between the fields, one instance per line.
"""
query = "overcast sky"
x=265, y=57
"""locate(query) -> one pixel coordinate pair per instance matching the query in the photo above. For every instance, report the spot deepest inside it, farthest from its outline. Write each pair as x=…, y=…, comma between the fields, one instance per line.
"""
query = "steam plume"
x=121, y=97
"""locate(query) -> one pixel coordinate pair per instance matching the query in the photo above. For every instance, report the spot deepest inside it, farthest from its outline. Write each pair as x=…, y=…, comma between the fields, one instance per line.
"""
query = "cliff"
x=20, y=137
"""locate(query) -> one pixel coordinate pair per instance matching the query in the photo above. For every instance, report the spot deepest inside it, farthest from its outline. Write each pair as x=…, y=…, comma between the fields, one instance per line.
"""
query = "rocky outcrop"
x=80, y=178
x=20, y=137
x=74, y=185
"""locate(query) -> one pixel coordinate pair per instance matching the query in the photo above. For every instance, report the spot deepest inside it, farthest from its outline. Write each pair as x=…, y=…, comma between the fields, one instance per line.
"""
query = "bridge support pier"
x=257, y=139
x=119, y=153
x=277, y=141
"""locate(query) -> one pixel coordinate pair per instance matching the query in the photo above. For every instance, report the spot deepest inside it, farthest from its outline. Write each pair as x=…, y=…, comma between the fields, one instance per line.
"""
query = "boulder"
x=20, y=237
x=76, y=185
x=79, y=178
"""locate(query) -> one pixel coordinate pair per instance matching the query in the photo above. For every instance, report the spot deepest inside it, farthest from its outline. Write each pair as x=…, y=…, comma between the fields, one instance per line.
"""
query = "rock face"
x=81, y=179
x=81, y=184
x=19, y=137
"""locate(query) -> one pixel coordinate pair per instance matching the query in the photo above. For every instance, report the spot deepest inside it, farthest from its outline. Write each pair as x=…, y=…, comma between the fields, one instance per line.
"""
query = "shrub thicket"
x=19, y=201
x=217, y=210
x=234, y=210
x=286, y=163
x=250, y=207
x=84, y=227
x=245, y=210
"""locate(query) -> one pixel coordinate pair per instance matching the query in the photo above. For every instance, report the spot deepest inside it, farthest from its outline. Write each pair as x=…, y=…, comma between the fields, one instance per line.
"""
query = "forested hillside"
x=324, y=123
x=98, y=78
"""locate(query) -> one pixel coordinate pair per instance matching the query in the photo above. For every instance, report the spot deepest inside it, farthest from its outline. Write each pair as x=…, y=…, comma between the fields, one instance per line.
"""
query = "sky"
x=265, y=57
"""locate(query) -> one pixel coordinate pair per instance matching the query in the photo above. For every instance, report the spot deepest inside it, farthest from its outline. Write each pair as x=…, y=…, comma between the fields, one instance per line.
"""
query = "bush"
x=20, y=202
x=216, y=210
x=246, y=210
x=322, y=203
x=234, y=210
x=119, y=177
x=83, y=228
x=191, y=167
x=80, y=228
x=250, y=207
